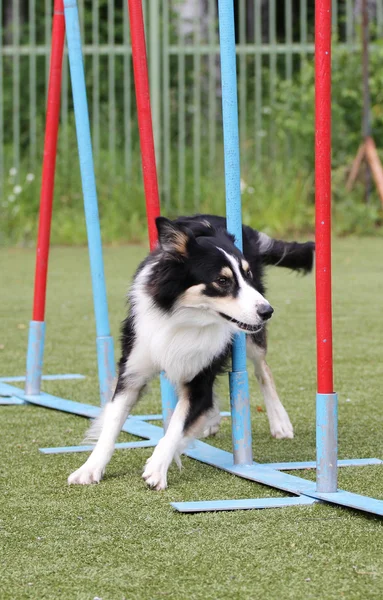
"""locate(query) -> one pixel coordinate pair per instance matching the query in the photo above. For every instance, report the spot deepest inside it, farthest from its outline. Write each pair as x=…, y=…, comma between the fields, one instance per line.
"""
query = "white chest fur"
x=181, y=343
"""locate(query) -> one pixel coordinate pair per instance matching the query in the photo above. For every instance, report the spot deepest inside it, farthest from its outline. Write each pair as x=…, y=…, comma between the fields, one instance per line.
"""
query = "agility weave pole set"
x=240, y=462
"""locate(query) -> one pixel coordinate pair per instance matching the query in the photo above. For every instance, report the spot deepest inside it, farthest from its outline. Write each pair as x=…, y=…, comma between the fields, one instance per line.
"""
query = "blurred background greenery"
x=276, y=113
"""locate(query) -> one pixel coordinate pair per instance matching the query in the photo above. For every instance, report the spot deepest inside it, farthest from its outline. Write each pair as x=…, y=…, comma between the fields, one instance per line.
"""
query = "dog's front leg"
x=156, y=469
x=188, y=421
x=106, y=428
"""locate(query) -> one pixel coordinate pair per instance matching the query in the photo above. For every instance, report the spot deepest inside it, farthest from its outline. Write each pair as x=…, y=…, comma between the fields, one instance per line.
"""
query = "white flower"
x=266, y=110
x=250, y=190
x=11, y=198
x=243, y=185
x=13, y=171
x=30, y=177
x=17, y=189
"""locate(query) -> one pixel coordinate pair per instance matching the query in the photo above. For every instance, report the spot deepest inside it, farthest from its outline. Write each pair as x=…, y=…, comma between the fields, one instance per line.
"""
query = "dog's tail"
x=292, y=255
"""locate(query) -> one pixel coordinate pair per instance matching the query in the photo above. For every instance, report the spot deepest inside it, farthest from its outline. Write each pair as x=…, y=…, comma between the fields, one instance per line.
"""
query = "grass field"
x=120, y=540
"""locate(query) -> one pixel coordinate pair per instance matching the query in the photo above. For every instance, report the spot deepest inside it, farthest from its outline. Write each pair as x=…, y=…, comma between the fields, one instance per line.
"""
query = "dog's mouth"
x=241, y=325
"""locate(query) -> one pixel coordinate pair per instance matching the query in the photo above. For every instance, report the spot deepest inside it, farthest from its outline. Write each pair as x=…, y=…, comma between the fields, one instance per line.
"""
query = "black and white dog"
x=188, y=298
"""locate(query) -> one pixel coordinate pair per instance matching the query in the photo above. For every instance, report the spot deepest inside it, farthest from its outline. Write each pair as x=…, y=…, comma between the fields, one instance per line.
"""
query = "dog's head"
x=200, y=268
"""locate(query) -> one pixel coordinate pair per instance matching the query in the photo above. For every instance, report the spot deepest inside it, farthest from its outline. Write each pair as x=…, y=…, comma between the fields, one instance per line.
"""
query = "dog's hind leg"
x=214, y=419
x=280, y=424
x=188, y=421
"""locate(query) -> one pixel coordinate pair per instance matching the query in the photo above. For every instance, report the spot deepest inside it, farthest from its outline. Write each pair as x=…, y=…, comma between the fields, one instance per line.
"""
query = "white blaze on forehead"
x=235, y=266
x=248, y=298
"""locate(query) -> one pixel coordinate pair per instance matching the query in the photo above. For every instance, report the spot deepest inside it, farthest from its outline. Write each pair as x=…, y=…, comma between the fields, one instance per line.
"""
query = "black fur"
x=291, y=255
x=176, y=272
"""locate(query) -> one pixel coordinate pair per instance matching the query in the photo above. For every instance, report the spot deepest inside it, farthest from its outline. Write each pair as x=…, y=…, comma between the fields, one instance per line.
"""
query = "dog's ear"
x=172, y=237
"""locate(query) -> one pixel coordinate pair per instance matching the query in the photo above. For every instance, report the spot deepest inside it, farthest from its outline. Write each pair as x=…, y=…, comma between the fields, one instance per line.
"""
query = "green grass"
x=120, y=540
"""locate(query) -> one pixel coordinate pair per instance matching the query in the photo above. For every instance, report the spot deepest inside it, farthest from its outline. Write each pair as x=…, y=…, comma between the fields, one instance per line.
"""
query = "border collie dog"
x=188, y=299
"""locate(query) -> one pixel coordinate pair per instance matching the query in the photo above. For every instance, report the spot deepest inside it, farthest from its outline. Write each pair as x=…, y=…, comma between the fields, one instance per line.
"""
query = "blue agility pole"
x=105, y=352
x=238, y=378
x=104, y=341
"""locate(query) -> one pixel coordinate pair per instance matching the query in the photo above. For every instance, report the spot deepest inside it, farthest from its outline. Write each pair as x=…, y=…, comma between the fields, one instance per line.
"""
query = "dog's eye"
x=223, y=281
x=248, y=274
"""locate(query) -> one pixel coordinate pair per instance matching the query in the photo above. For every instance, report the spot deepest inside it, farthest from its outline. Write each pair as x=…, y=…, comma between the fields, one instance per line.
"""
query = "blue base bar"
x=120, y=446
x=347, y=462
x=289, y=483
x=246, y=504
x=22, y=378
x=123, y=445
x=210, y=455
x=159, y=417
x=10, y=401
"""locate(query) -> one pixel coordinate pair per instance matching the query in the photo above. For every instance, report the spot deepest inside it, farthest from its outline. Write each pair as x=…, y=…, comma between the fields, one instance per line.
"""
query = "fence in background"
x=274, y=38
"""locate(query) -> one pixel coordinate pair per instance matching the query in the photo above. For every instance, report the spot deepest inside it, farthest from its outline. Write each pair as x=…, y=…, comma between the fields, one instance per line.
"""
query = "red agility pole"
x=326, y=399
x=148, y=158
x=49, y=162
x=141, y=83
x=36, y=337
x=323, y=195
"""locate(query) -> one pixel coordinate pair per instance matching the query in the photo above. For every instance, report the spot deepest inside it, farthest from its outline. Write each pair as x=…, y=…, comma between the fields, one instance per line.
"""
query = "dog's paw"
x=210, y=430
x=155, y=476
x=213, y=422
x=281, y=427
x=86, y=475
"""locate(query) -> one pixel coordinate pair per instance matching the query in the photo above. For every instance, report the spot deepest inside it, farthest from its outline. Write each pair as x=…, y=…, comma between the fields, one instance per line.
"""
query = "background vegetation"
x=277, y=191
x=278, y=197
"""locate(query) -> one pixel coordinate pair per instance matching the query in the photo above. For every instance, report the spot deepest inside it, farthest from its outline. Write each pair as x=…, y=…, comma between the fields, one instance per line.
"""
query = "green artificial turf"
x=120, y=540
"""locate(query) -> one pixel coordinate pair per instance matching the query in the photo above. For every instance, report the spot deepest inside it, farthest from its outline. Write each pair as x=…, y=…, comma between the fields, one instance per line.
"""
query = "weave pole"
x=144, y=114
x=105, y=351
x=148, y=158
x=238, y=379
x=35, y=352
x=326, y=399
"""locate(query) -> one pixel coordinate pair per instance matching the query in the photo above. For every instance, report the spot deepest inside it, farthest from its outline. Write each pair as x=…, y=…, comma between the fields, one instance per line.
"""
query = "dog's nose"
x=265, y=311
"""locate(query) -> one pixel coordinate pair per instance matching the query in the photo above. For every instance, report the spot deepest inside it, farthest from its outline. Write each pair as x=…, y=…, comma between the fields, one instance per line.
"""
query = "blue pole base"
x=106, y=367
x=240, y=417
x=327, y=442
x=168, y=399
x=35, y=354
